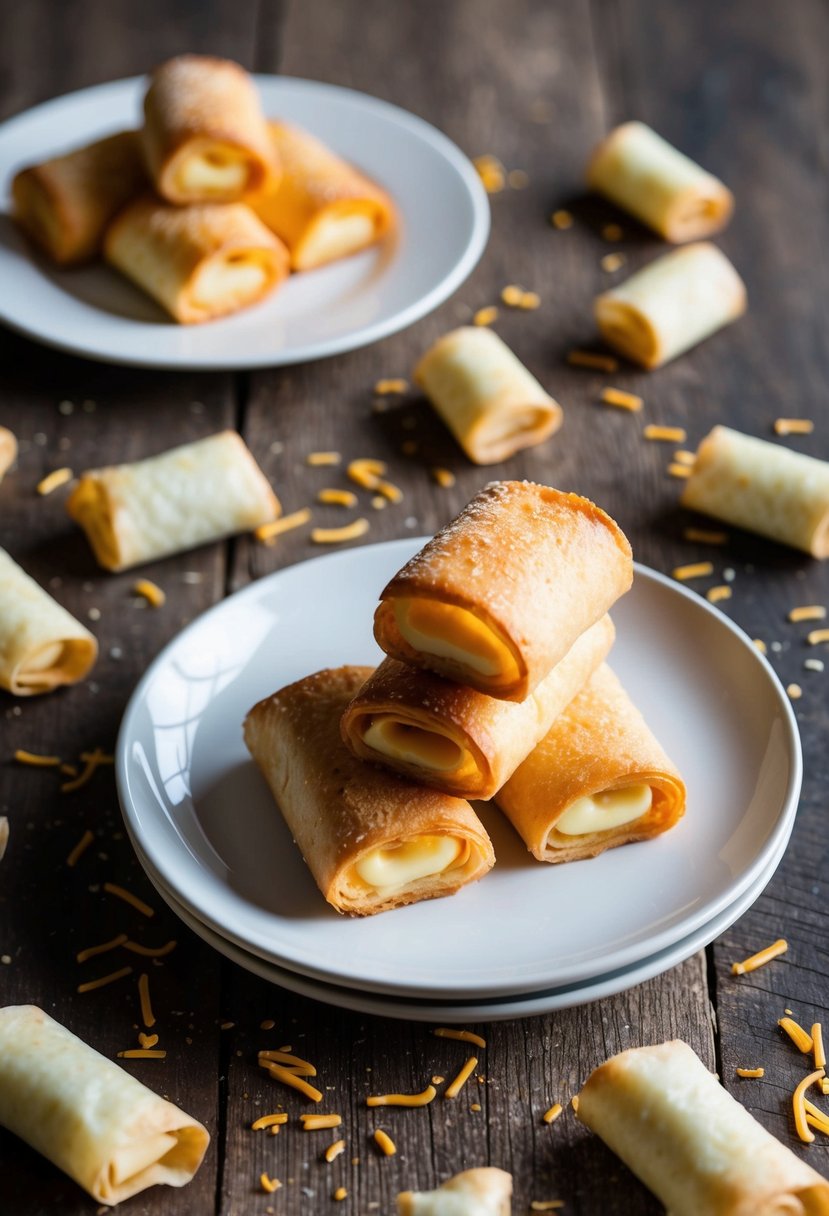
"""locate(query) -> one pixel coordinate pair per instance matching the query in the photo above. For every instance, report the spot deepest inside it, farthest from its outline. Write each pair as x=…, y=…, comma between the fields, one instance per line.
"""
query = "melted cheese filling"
x=335, y=236
x=220, y=169
x=601, y=812
x=234, y=277
x=410, y=861
x=455, y=633
x=418, y=745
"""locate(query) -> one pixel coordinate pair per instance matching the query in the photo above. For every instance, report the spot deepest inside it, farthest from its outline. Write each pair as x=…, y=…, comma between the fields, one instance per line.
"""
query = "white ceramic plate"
x=202, y=815
x=93, y=311
x=418, y=1010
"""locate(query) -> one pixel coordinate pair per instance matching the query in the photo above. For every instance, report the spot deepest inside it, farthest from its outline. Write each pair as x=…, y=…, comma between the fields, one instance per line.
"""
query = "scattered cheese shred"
x=104, y=948
x=794, y=692
x=340, y=1193
x=283, y=1056
x=112, y=889
x=391, y=492
x=333, y=1151
x=760, y=645
x=612, y=232
x=268, y=1024
x=323, y=458
x=625, y=401
x=147, y=1015
x=612, y=262
x=512, y=295
x=693, y=570
x=464, y=1036
x=151, y=951
x=80, y=848
x=808, y=612
x=715, y=594
x=384, y=1142
x=287, y=1077
x=147, y=1040
x=269, y=1185
x=92, y=761
x=817, y=636
x=824, y=1085
x=681, y=456
x=366, y=472
x=383, y=387
x=665, y=434
x=150, y=591
x=51, y=482
x=760, y=958
x=337, y=498
x=679, y=470
x=561, y=219
x=800, y=1037
x=818, y=1049
x=91, y=985
x=793, y=426
x=264, y=1121
x=333, y=536
x=750, y=1072
x=36, y=760
x=143, y=1053
x=574, y=1102
x=529, y=301
x=452, y=1090
x=587, y=358
x=491, y=172
x=423, y=1099
x=546, y=1205
x=317, y=1123
x=815, y=1117
x=485, y=316
x=443, y=477
x=553, y=1113
x=704, y=537
x=266, y=532
x=378, y=502
x=799, y=1105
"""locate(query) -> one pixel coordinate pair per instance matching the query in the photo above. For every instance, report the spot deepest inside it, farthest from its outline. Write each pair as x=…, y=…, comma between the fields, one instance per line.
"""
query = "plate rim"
x=366, y=335
x=624, y=956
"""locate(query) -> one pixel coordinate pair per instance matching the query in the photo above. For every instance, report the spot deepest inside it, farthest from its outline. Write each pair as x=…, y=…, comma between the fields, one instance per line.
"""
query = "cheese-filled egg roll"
x=322, y=207
x=690, y=1142
x=89, y=1117
x=499, y=596
x=597, y=779
x=455, y=738
x=641, y=172
x=198, y=262
x=65, y=204
x=492, y=405
x=166, y=504
x=671, y=305
x=372, y=840
x=8, y=450
x=484, y=1191
x=41, y=645
x=763, y=487
x=205, y=137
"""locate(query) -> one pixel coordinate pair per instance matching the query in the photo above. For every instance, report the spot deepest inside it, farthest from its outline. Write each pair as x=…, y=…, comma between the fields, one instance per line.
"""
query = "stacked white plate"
x=530, y=937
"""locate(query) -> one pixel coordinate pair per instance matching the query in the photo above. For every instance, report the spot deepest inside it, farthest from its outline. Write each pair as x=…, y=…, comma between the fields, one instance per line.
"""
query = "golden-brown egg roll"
x=671, y=305
x=198, y=262
x=484, y=1191
x=89, y=1117
x=454, y=738
x=641, y=172
x=372, y=840
x=4, y=835
x=499, y=596
x=763, y=487
x=492, y=405
x=8, y=450
x=65, y=204
x=598, y=779
x=41, y=645
x=322, y=207
x=205, y=137
x=690, y=1142
x=166, y=504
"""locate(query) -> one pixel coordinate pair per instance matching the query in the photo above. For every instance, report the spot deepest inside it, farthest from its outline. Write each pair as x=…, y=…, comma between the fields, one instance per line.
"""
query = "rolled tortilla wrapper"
x=598, y=779
x=641, y=172
x=166, y=504
x=762, y=487
x=89, y=1117
x=41, y=645
x=321, y=207
x=65, y=204
x=690, y=1142
x=205, y=137
x=671, y=305
x=372, y=840
x=4, y=836
x=492, y=405
x=484, y=1191
x=454, y=738
x=198, y=262
x=499, y=596
x=8, y=450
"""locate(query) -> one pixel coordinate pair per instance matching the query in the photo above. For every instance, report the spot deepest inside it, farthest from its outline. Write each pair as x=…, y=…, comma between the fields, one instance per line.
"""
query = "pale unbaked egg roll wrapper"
x=322, y=207
x=372, y=840
x=641, y=172
x=484, y=1191
x=65, y=204
x=499, y=596
x=453, y=737
x=166, y=504
x=42, y=646
x=8, y=450
x=762, y=487
x=199, y=262
x=598, y=779
x=491, y=403
x=89, y=1117
x=205, y=137
x=671, y=305
x=690, y=1142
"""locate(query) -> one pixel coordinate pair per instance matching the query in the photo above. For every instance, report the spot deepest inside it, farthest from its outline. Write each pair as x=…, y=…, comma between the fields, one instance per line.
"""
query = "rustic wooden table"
x=741, y=88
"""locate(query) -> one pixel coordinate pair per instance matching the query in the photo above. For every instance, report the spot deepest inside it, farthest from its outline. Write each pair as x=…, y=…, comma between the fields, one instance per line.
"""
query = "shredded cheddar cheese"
x=800, y=1037
x=91, y=985
x=104, y=948
x=92, y=761
x=366, y=472
x=818, y=1050
x=391, y=492
x=80, y=848
x=151, y=951
x=283, y=1056
x=454, y=1088
x=794, y=692
x=679, y=470
x=340, y=1194
x=715, y=594
x=664, y=434
x=268, y=1024
x=553, y=1113
x=51, y=482
x=692, y=570
x=512, y=295
x=143, y=1053
x=112, y=889
x=464, y=1036
x=149, y=591
x=264, y=1121
x=267, y=532
x=561, y=219
x=323, y=458
x=817, y=636
x=704, y=537
x=317, y=1123
x=423, y=1099
x=443, y=477
x=269, y=1185
x=147, y=1015
x=287, y=1077
x=799, y=1105
x=383, y=387
x=587, y=358
x=491, y=172
x=618, y=397
x=529, y=301
x=334, y=536
x=793, y=426
x=485, y=316
x=147, y=1040
x=337, y=498
x=35, y=760
x=750, y=1072
x=574, y=1102
x=815, y=1117
x=384, y=1142
x=760, y=645
x=808, y=612
x=683, y=457
x=333, y=1151
x=546, y=1205
x=760, y=958
x=612, y=262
